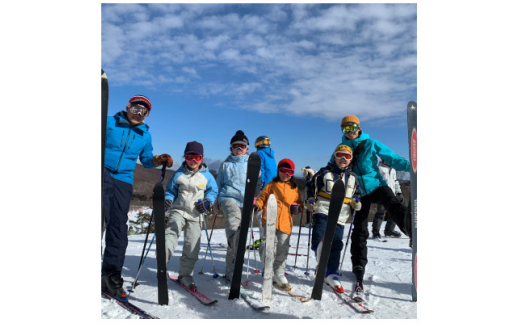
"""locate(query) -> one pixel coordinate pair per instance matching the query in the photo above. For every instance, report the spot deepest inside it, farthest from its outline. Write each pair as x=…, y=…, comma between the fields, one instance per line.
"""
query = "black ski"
x=336, y=202
x=104, y=113
x=160, y=242
x=130, y=307
x=253, y=170
x=412, y=143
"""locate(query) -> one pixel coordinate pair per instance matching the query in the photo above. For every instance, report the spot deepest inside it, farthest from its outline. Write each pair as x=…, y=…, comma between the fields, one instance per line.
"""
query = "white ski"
x=270, y=232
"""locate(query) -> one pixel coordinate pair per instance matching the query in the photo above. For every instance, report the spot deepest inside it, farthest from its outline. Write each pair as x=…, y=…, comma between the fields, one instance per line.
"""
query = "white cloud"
x=297, y=58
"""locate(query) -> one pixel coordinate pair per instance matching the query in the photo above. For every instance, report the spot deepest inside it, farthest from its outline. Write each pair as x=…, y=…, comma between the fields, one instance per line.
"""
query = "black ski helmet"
x=262, y=142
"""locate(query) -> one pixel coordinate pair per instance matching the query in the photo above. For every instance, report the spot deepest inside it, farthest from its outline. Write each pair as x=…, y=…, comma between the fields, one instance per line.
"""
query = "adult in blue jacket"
x=127, y=138
x=374, y=187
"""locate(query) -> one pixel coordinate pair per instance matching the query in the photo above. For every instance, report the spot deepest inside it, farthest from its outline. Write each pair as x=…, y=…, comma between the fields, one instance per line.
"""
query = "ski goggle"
x=342, y=154
x=239, y=146
x=139, y=109
x=191, y=158
x=350, y=128
x=286, y=171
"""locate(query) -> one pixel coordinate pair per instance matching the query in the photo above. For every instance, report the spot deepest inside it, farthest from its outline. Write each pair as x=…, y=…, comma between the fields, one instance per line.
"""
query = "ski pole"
x=308, y=243
x=207, y=248
x=210, y=252
x=346, y=243
x=141, y=262
x=298, y=243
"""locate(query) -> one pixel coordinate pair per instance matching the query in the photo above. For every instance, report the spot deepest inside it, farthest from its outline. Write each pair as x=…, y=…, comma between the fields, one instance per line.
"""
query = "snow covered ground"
x=387, y=283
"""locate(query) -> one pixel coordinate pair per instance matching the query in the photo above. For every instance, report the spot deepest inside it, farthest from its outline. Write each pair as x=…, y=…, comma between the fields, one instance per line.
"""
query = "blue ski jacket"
x=124, y=144
x=186, y=187
x=366, y=161
x=268, y=167
x=231, y=179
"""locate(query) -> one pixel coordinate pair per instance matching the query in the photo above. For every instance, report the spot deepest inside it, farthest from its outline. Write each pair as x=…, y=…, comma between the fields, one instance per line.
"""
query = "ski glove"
x=158, y=160
x=311, y=205
x=355, y=204
x=308, y=173
x=167, y=204
x=400, y=197
x=203, y=206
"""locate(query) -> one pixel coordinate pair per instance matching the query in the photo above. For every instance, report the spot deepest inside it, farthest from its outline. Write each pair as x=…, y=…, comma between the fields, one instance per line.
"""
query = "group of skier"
x=192, y=191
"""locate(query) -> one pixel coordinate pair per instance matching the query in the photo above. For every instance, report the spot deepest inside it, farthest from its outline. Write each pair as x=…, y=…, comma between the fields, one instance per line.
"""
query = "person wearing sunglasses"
x=285, y=189
x=190, y=192
x=231, y=181
x=375, y=190
x=319, y=190
x=127, y=139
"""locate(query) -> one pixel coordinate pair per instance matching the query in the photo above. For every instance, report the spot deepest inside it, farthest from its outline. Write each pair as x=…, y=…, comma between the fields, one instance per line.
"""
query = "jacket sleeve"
x=313, y=185
x=393, y=175
x=220, y=177
x=146, y=156
x=391, y=158
x=261, y=201
x=172, y=188
x=211, y=188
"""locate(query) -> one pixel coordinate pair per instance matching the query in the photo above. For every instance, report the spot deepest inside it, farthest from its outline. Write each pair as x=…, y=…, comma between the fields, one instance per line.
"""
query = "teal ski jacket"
x=365, y=161
x=124, y=144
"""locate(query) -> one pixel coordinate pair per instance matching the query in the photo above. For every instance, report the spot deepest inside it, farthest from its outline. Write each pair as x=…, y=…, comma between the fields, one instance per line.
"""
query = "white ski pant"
x=191, y=247
x=281, y=250
x=233, y=215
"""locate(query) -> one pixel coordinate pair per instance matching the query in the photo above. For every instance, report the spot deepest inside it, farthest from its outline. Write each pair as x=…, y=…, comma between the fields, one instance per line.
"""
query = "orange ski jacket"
x=285, y=196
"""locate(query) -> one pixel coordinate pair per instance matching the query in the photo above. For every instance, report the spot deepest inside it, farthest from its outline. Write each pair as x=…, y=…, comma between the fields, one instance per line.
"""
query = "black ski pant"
x=116, y=201
x=378, y=220
x=398, y=213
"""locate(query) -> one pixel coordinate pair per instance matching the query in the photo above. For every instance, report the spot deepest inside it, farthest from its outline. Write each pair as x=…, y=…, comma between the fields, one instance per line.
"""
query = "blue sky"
x=287, y=71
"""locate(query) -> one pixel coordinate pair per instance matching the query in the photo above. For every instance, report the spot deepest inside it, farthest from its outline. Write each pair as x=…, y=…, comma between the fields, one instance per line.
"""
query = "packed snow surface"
x=388, y=280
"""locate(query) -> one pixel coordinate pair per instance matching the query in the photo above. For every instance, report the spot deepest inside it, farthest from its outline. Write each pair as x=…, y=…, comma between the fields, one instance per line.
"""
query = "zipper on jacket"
x=123, y=152
x=131, y=142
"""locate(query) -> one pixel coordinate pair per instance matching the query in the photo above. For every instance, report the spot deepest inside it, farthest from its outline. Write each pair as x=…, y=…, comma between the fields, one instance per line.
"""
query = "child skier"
x=190, y=192
x=268, y=168
x=319, y=190
x=286, y=191
x=231, y=181
x=374, y=188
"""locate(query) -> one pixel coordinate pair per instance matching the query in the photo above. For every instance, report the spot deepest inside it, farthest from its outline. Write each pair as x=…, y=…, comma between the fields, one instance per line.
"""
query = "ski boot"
x=359, y=293
x=392, y=234
x=113, y=285
x=282, y=282
x=376, y=235
x=332, y=279
x=188, y=282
